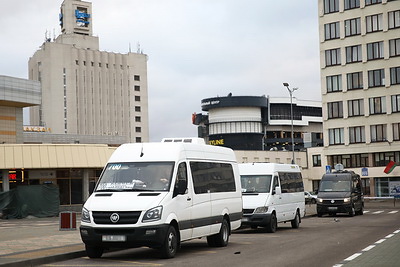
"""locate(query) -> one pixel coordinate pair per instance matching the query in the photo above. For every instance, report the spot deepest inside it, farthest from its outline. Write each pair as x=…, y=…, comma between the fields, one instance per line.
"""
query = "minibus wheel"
x=170, y=246
x=296, y=221
x=94, y=252
x=352, y=211
x=222, y=238
x=273, y=224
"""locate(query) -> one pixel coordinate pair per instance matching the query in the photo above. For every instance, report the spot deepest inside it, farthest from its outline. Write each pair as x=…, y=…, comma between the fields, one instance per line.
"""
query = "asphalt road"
x=319, y=242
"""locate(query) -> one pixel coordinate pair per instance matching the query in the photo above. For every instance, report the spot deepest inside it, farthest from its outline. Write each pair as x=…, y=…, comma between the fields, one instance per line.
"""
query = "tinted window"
x=291, y=182
x=212, y=177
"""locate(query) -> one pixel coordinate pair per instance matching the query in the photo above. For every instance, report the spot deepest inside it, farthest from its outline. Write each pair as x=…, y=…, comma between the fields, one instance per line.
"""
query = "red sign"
x=12, y=176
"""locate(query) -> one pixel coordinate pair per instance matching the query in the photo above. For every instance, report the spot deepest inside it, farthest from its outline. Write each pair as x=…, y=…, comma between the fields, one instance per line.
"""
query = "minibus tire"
x=352, y=211
x=273, y=224
x=296, y=221
x=94, y=252
x=170, y=246
x=222, y=238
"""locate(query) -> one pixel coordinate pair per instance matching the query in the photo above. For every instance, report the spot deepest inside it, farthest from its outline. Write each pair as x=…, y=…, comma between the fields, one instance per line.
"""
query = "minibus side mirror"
x=277, y=191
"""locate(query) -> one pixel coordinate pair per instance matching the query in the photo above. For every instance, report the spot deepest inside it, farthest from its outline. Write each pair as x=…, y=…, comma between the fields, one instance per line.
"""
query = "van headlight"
x=320, y=200
x=85, y=217
x=263, y=209
x=347, y=199
x=153, y=214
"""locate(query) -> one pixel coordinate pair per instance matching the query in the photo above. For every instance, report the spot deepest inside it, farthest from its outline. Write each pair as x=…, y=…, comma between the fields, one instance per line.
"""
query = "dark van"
x=340, y=192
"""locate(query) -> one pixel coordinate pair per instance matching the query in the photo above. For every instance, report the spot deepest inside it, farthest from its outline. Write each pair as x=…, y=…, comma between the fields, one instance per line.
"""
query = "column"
x=85, y=185
x=6, y=181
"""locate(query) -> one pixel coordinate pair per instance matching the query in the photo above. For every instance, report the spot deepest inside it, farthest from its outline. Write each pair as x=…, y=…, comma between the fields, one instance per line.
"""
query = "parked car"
x=310, y=198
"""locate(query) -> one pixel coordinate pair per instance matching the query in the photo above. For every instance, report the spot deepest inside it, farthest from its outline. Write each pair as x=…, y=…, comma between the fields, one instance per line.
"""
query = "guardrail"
x=385, y=198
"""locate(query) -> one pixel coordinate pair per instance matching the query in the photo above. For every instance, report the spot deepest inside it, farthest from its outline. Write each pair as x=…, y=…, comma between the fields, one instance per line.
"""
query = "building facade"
x=86, y=91
x=360, y=83
x=259, y=123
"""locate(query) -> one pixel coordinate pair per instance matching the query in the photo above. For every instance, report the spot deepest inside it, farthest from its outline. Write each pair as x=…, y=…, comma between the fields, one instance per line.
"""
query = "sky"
x=196, y=49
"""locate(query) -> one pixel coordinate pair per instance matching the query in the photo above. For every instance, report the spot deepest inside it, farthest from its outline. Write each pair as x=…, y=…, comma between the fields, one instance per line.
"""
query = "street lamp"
x=291, y=114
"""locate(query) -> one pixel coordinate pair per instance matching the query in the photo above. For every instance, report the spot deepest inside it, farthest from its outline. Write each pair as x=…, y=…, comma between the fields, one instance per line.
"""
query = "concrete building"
x=360, y=80
x=85, y=91
x=15, y=94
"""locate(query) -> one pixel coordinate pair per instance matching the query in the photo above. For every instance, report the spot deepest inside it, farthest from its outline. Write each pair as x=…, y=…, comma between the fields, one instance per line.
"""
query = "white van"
x=160, y=194
x=272, y=193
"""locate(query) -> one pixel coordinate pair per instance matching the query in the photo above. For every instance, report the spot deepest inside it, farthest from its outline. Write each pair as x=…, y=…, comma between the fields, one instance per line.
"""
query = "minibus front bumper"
x=334, y=208
x=256, y=219
x=150, y=236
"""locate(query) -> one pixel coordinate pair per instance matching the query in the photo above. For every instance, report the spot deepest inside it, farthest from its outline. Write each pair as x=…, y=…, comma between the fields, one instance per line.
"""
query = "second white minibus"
x=272, y=193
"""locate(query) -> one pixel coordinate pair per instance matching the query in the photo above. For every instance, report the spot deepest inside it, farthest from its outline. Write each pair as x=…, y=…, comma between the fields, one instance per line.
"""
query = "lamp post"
x=291, y=114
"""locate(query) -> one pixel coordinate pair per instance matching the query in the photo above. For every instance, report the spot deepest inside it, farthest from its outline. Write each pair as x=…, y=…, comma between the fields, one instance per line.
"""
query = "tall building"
x=86, y=91
x=360, y=77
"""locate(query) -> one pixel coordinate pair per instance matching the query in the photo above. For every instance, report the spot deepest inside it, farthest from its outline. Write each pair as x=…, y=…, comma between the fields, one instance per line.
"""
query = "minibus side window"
x=181, y=180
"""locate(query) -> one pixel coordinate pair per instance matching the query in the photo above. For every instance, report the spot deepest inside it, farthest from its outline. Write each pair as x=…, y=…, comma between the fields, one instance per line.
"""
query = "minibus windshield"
x=335, y=186
x=256, y=183
x=136, y=176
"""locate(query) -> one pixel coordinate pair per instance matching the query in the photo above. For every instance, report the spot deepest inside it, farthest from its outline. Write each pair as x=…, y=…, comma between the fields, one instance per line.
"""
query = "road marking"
x=366, y=211
x=396, y=232
x=389, y=236
x=352, y=257
x=368, y=248
x=379, y=211
x=380, y=241
x=394, y=211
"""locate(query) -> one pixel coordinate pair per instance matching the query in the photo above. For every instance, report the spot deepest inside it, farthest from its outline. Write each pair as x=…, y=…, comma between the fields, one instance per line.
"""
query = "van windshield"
x=334, y=186
x=256, y=183
x=136, y=176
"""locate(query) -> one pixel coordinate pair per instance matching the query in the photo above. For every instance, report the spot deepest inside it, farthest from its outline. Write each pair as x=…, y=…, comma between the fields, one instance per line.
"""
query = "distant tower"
x=86, y=91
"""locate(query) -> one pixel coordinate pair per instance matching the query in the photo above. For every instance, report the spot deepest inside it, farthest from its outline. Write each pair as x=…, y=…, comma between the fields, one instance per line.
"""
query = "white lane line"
x=368, y=248
x=393, y=211
x=389, y=236
x=396, y=232
x=380, y=241
x=379, y=211
x=366, y=211
x=352, y=257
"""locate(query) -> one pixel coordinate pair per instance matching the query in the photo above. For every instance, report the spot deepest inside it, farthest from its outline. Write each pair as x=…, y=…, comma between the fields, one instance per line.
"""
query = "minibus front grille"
x=118, y=217
x=333, y=201
x=248, y=211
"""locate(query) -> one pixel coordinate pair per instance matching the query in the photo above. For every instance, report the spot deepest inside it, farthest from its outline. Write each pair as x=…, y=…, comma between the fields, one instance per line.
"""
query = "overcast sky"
x=197, y=48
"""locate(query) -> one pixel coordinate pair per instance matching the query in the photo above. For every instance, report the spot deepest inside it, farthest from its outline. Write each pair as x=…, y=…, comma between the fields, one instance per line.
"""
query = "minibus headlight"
x=85, y=217
x=263, y=209
x=347, y=199
x=320, y=200
x=153, y=214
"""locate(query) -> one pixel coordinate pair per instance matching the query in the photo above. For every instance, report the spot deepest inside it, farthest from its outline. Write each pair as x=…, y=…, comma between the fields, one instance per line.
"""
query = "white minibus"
x=272, y=193
x=160, y=194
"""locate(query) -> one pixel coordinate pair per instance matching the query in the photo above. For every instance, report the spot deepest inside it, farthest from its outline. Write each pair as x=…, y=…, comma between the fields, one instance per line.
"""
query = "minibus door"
x=276, y=197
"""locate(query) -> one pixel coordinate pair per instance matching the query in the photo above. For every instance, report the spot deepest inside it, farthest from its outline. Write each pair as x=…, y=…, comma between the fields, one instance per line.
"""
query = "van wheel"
x=94, y=252
x=319, y=214
x=222, y=238
x=361, y=211
x=273, y=224
x=296, y=221
x=170, y=246
x=352, y=212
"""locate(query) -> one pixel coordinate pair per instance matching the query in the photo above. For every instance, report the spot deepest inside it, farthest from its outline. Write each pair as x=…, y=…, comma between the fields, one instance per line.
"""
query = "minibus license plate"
x=332, y=208
x=114, y=238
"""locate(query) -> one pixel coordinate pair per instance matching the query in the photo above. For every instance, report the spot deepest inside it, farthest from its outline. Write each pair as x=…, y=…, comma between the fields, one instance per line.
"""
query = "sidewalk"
x=36, y=241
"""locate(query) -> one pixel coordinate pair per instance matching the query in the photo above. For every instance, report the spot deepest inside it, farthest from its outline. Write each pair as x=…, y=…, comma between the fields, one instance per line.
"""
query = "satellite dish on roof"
x=339, y=167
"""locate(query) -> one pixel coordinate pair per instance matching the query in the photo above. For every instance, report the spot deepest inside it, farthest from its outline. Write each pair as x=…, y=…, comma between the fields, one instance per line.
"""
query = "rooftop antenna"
x=130, y=48
x=138, y=48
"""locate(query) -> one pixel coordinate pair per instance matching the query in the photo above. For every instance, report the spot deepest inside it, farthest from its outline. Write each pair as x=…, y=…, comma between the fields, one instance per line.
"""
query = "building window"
x=352, y=27
x=353, y=54
x=396, y=131
x=138, y=129
x=375, y=50
x=316, y=160
x=350, y=4
x=335, y=110
x=383, y=158
x=357, y=134
x=76, y=62
x=395, y=75
x=332, y=31
x=356, y=107
x=136, y=77
x=372, y=2
x=336, y=136
x=137, y=108
x=334, y=83
x=137, y=98
x=394, y=47
x=354, y=81
x=374, y=23
x=332, y=57
x=376, y=78
x=394, y=19
x=137, y=88
x=378, y=133
x=138, y=119
x=377, y=105
x=331, y=6
x=138, y=139
x=395, y=103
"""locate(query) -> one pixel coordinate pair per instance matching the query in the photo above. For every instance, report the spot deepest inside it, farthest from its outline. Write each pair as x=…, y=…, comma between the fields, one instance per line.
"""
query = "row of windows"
x=379, y=159
x=376, y=78
x=355, y=107
x=373, y=23
x=332, y=6
x=356, y=134
x=235, y=127
x=353, y=54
